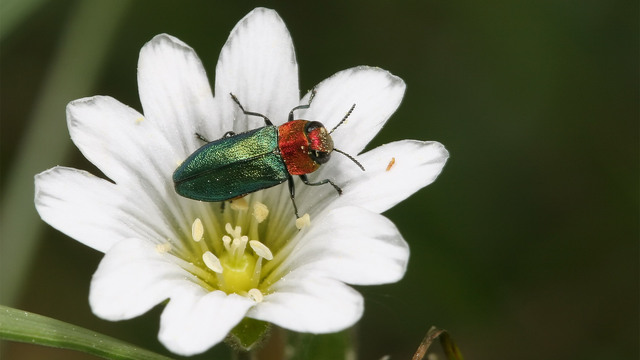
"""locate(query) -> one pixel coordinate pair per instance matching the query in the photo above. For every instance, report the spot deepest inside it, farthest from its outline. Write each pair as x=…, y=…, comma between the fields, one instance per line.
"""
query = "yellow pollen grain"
x=303, y=221
x=163, y=248
x=139, y=120
x=256, y=295
x=261, y=249
x=197, y=230
x=391, y=163
x=260, y=211
x=239, y=204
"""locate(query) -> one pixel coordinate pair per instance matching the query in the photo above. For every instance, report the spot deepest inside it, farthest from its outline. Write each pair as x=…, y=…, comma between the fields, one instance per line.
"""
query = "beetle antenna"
x=342, y=121
x=349, y=156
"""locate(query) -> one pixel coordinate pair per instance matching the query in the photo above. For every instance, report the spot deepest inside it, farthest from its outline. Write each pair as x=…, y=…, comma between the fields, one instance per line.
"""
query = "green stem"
x=23, y=326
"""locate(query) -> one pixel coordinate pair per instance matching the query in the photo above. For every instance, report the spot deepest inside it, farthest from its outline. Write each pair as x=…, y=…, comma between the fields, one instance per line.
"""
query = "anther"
x=239, y=204
x=256, y=295
x=260, y=211
x=163, y=248
x=197, y=230
x=261, y=249
x=212, y=262
x=303, y=221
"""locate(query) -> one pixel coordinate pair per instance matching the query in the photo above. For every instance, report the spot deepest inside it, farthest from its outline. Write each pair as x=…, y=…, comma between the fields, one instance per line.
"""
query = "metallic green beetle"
x=232, y=166
x=239, y=164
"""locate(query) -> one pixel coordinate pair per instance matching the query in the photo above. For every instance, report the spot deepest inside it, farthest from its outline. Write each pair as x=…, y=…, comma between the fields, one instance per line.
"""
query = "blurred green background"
x=526, y=247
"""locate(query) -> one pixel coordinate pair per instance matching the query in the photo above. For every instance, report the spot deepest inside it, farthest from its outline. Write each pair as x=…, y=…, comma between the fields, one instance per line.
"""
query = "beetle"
x=239, y=164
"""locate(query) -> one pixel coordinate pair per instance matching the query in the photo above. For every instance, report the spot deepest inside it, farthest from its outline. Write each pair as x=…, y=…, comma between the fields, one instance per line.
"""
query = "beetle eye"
x=312, y=125
x=319, y=157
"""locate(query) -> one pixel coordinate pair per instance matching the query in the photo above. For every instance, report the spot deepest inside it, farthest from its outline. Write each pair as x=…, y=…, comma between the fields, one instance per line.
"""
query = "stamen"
x=257, y=271
x=263, y=252
x=239, y=204
x=303, y=221
x=163, y=248
x=197, y=230
x=261, y=249
x=260, y=211
x=212, y=262
x=256, y=295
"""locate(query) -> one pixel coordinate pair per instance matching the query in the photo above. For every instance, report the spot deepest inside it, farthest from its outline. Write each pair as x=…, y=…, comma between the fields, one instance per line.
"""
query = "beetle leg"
x=228, y=134
x=202, y=138
x=321, y=182
x=313, y=94
x=266, y=119
x=292, y=193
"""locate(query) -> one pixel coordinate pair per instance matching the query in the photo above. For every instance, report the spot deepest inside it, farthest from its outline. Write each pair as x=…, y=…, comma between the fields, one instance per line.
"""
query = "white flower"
x=216, y=266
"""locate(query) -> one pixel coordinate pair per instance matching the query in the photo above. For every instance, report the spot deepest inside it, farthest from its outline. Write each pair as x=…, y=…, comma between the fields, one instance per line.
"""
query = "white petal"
x=352, y=245
x=133, y=152
x=80, y=205
x=195, y=320
x=175, y=92
x=120, y=141
x=132, y=278
x=376, y=94
x=96, y=212
x=394, y=172
x=310, y=304
x=258, y=65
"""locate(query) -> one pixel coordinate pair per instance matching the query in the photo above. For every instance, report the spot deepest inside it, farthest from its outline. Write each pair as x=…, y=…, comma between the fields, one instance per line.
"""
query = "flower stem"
x=243, y=355
x=23, y=326
x=337, y=346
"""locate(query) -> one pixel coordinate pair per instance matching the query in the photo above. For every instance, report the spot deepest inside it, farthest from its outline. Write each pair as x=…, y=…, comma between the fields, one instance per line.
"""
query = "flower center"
x=231, y=257
x=235, y=263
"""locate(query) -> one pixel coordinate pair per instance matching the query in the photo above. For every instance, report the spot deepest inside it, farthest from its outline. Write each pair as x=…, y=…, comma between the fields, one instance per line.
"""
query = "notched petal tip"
x=164, y=40
x=443, y=151
x=393, y=79
x=262, y=10
x=105, y=103
x=439, y=153
x=259, y=52
x=260, y=13
x=57, y=170
x=40, y=180
x=86, y=101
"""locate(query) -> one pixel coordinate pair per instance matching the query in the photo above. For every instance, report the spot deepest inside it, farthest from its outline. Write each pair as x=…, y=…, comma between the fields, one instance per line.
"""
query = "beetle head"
x=320, y=142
